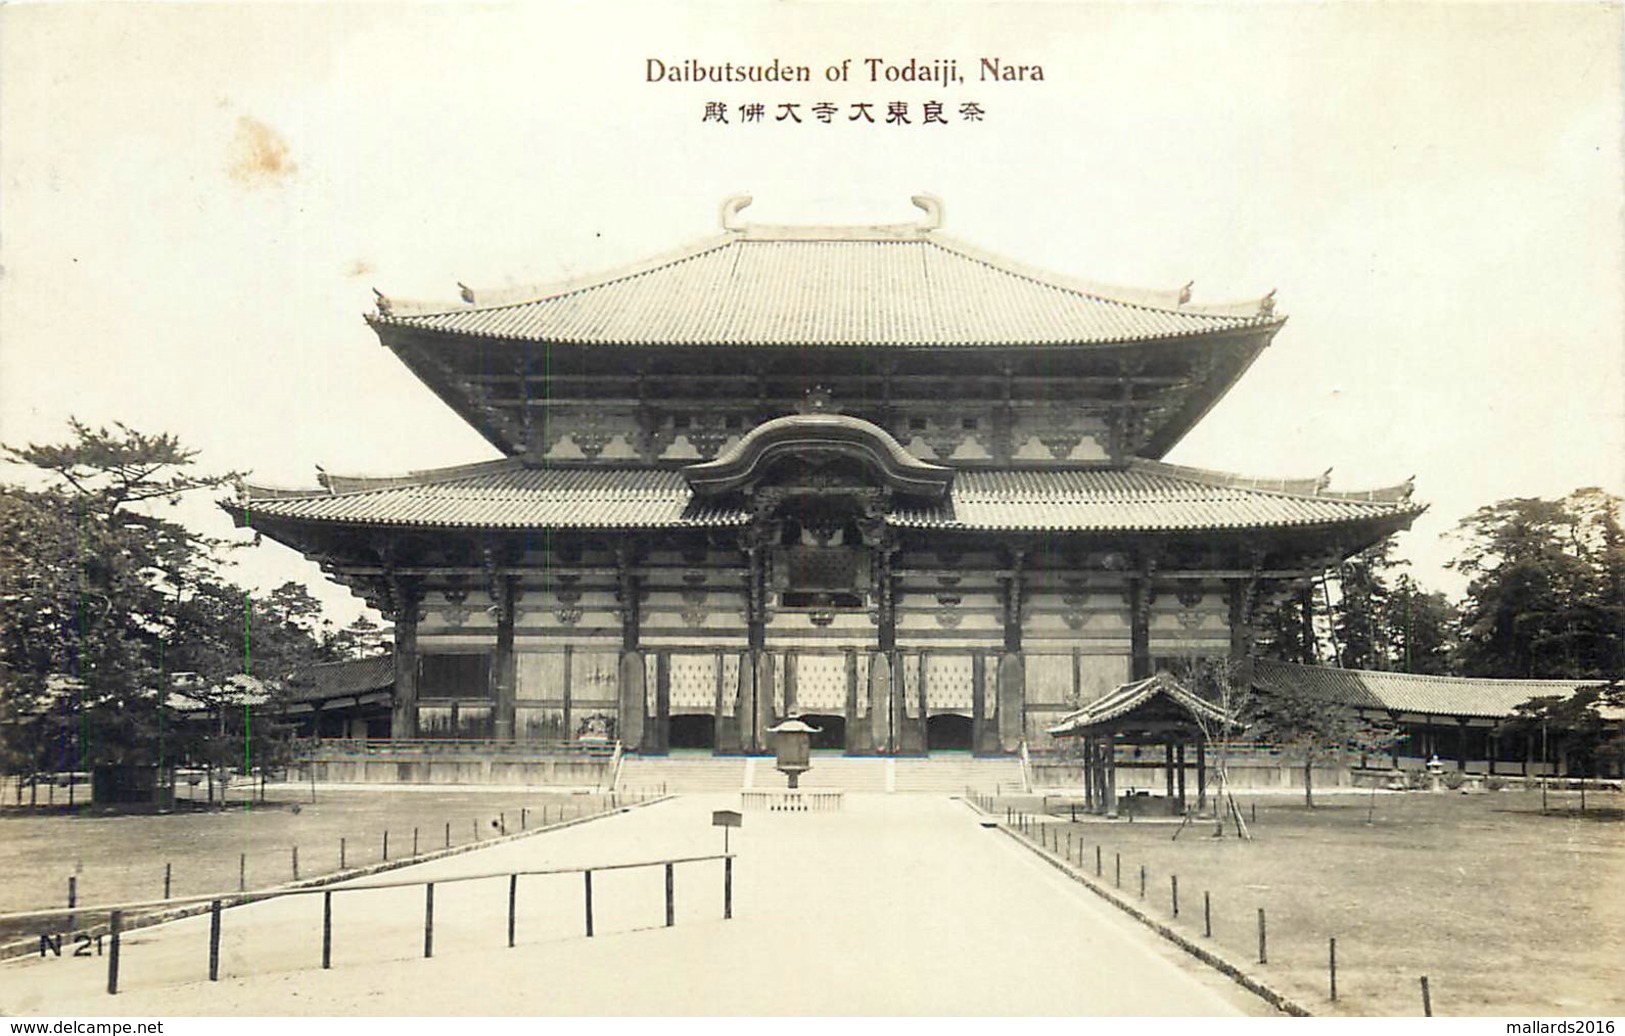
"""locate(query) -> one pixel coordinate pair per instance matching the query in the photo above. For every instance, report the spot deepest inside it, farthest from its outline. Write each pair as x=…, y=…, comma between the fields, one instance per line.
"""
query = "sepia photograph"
x=729, y=510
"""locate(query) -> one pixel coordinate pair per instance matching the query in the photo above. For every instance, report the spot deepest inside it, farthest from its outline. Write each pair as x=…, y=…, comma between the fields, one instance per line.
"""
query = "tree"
x=1312, y=727
x=1578, y=724
x=1546, y=596
x=1420, y=629
x=111, y=609
x=1221, y=682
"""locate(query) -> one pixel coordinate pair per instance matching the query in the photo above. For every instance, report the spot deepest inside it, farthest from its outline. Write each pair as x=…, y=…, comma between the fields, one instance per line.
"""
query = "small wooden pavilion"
x=1119, y=727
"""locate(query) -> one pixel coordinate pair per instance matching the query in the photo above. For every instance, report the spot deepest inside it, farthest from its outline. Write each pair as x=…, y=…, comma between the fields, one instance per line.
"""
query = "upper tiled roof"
x=1147, y=496
x=843, y=286
x=1409, y=692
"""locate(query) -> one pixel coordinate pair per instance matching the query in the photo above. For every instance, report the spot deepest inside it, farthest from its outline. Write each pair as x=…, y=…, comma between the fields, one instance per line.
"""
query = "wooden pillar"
x=567, y=694
x=1108, y=764
x=1492, y=741
x=633, y=686
x=1201, y=774
x=1179, y=761
x=504, y=667
x=1168, y=768
x=404, y=718
x=978, y=702
x=756, y=662
x=853, y=746
x=1306, y=624
x=1139, y=590
x=924, y=727
x=657, y=734
x=1012, y=672
x=1461, y=742
x=1088, y=775
x=791, y=658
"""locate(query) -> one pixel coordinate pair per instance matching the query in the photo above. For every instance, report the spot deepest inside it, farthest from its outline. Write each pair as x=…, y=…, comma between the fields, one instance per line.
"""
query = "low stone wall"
x=1244, y=775
x=381, y=768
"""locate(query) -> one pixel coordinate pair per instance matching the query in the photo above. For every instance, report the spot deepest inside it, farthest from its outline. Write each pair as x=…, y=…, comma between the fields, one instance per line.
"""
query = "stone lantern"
x=792, y=743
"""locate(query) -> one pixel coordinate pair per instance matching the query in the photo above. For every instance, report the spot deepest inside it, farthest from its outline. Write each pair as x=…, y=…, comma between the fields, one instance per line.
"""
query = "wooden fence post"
x=1331, y=965
x=671, y=897
x=428, y=919
x=1263, y=943
x=513, y=901
x=214, y=940
x=327, y=930
x=115, y=923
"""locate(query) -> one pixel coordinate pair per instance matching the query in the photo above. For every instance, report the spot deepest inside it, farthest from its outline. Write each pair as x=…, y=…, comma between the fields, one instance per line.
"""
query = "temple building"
x=869, y=475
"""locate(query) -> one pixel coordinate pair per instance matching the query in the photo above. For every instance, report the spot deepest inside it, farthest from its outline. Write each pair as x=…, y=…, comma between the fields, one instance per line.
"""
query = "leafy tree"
x=113, y=613
x=1577, y=723
x=1359, y=616
x=1312, y=728
x=1420, y=629
x=1546, y=596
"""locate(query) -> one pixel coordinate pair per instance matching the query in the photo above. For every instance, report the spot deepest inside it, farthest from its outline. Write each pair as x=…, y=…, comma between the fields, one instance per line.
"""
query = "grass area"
x=1506, y=910
x=117, y=858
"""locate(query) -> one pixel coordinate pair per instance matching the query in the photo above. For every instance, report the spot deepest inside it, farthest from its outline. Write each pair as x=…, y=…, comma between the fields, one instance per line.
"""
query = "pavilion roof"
x=506, y=494
x=1106, y=711
x=1473, y=697
x=351, y=676
x=897, y=286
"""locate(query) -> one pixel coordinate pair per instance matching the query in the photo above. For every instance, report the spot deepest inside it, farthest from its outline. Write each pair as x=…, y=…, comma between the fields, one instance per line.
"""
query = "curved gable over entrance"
x=820, y=438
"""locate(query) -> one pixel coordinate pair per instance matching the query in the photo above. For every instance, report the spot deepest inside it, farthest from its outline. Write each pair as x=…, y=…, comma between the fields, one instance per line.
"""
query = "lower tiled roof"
x=1146, y=496
x=338, y=679
x=1117, y=703
x=1472, y=697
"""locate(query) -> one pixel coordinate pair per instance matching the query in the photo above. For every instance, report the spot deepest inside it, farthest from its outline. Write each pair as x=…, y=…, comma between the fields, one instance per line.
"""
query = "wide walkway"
x=896, y=905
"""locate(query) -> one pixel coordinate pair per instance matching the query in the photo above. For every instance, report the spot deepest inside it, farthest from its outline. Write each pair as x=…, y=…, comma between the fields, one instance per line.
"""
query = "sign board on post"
x=726, y=818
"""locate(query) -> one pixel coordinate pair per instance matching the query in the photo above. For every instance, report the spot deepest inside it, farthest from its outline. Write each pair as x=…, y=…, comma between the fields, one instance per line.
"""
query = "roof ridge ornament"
x=731, y=208
x=931, y=205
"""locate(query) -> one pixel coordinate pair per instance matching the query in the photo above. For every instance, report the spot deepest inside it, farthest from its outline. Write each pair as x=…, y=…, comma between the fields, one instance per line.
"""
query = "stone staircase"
x=951, y=774
x=942, y=774
x=678, y=775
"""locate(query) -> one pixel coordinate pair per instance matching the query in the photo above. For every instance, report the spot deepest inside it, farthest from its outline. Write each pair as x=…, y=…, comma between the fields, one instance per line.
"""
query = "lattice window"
x=821, y=684
x=948, y=682
x=693, y=683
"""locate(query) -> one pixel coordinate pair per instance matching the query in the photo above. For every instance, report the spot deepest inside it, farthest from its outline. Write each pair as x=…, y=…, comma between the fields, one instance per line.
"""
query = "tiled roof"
x=1409, y=692
x=1127, y=697
x=338, y=679
x=1147, y=496
x=507, y=495
x=910, y=289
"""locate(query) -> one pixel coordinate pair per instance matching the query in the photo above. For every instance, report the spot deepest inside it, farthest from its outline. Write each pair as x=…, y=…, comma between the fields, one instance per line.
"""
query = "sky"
x=196, y=202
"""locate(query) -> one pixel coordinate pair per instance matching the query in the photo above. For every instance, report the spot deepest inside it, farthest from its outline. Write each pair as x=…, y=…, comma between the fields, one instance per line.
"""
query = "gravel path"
x=898, y=905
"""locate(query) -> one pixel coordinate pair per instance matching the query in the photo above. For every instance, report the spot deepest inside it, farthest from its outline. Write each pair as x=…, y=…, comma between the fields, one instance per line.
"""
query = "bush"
x=1454, y=779
x=1494, y=784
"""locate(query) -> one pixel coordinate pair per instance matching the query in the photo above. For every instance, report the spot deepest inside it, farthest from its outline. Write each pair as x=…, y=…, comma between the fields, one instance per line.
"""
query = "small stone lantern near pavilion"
x=792, y=743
